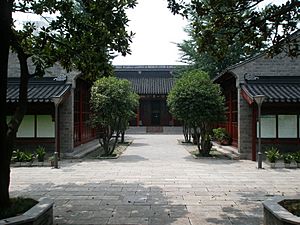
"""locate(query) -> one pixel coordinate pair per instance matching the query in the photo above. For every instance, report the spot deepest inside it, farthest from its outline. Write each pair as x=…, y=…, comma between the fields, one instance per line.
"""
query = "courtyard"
x=156, y=181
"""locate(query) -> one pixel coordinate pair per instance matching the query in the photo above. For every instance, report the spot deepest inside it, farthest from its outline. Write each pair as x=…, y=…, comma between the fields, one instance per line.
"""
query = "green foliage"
x=222, y=136
x=287, y=157
x=22, y=156
x=198, y=102
x=272, y=154
x=113, y=103
x=205, y=61
x=40, y=153
x=297, y=157
x=17, y=207
x=82, y=35
x=219, y=25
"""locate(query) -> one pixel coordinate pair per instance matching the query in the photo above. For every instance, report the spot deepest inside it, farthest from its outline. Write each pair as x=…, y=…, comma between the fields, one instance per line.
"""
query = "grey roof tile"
x=276, y=89
x=147, y=82
x=39, y=90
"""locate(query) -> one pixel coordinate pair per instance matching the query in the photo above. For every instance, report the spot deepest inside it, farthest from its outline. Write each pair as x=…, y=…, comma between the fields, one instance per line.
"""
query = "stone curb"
x=41, y=213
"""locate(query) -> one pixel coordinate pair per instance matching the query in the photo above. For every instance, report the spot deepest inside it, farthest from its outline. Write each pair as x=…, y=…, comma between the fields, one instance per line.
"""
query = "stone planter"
x=272, y=165
x=287, y=165
x=275, y=214
x=26, y=164
x=40, y=214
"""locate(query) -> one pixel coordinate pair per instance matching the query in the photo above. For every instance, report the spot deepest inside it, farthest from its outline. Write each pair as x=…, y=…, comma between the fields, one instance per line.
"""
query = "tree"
x=81, y=35
x=203, y=60
x=5, y=153
x=112, y=103
x=218, y=25
x=198, y=102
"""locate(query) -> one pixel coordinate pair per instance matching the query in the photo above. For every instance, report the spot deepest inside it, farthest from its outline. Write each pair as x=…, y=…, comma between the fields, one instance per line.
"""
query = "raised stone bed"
x=275, y=214
x=40, y=214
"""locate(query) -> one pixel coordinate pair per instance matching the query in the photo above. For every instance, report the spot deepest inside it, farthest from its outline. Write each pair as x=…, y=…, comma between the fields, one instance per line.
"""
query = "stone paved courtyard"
x=156, y=182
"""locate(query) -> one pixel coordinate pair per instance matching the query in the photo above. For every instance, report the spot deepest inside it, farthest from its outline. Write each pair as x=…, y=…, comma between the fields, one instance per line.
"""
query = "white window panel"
x=287, y=126
x=268, y=126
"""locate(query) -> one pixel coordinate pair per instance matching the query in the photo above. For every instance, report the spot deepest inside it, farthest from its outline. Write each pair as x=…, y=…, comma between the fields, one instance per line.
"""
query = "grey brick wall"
x=66, y=122
x=280, y=65
x=244, y=127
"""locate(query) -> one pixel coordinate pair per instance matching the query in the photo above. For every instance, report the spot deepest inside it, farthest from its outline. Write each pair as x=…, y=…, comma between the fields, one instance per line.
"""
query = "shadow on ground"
x=107, y=202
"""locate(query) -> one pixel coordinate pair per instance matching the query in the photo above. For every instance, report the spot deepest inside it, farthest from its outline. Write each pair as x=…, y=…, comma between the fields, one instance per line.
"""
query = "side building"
x=57, y=100
x=278, y=79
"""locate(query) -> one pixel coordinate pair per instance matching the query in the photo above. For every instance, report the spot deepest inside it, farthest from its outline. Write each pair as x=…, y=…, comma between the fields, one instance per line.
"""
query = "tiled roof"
x=276, y=89
x=293, y=36
x=147, y=81
x=39, y=90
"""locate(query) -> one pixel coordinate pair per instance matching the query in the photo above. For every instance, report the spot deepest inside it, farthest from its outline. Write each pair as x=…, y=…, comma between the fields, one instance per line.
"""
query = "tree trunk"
x=105, y=140
x=123, y=136
x=196, y=137
x=186, y=133
x=5, y=24
x=205, y=143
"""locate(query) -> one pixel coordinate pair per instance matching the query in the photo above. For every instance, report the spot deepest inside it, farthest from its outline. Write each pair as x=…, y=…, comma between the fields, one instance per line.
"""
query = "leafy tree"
x=203, y=60
x=198, y=102
x=113, y=103
x=80, y=35
x=218, y=25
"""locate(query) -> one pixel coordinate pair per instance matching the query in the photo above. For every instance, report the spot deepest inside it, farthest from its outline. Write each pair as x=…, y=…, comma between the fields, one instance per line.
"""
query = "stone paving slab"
x=156, y=181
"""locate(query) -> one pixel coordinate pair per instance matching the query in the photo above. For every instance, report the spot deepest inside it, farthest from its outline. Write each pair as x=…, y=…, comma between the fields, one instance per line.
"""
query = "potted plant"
x=222, y=136
x=40, y=153
x=272, y=155
x=287, y=159
x=51, y=160
x=297, y=158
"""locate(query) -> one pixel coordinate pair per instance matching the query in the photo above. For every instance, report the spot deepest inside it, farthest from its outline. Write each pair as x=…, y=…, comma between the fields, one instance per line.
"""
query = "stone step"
x=82, y=150
x=230, y=152
x=154, y=129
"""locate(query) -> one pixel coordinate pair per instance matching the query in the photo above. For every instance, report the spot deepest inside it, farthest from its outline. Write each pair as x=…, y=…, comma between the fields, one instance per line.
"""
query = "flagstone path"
x=156, y=181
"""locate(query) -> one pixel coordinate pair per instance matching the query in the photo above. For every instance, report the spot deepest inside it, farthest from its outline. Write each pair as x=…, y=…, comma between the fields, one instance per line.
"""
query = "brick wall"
x=244, y=127
x=66, y=123
x=280, y=65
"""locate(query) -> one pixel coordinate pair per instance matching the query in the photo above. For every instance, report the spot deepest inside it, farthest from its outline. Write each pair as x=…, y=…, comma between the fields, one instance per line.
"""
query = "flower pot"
x=272, y=164
x=298, y=164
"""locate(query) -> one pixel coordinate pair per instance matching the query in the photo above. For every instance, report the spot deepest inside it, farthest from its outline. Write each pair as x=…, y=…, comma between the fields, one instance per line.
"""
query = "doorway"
x=155, y=113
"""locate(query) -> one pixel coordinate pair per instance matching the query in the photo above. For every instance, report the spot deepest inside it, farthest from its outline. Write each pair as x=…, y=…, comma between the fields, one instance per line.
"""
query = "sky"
x=157, y=31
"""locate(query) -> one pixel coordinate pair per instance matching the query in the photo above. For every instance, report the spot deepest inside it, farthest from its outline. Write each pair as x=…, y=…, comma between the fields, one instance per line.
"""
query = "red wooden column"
x=230, y=112
x=254, y=132
x=138, y=117
x=80, y=114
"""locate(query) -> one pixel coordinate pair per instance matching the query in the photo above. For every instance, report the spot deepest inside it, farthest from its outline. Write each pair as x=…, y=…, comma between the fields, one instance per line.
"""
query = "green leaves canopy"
x=82, y=35
x=218, y=25
x=196, y=100
x=112, y=99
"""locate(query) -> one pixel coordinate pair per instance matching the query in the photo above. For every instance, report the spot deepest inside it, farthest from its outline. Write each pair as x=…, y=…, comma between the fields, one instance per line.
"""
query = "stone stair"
x=230, y=152
x=82, y=150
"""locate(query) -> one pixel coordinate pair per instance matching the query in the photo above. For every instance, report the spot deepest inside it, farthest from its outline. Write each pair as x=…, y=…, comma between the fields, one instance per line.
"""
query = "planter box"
x=40, y=214
x=275, y=214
